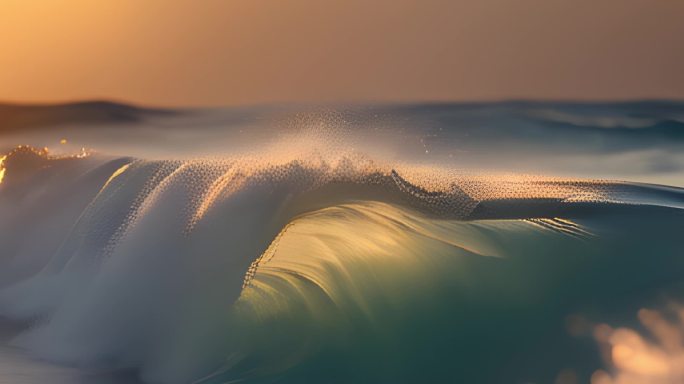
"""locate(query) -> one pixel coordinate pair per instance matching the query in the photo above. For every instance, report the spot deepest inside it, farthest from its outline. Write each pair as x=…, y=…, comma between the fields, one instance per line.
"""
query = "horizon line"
x=512, y=100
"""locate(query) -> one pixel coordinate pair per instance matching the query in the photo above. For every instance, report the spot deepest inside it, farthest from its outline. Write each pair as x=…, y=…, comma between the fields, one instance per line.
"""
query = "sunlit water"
x=381, y=244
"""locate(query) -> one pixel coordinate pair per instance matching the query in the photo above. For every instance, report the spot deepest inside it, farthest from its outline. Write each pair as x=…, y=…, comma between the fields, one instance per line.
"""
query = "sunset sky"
x=236, y=52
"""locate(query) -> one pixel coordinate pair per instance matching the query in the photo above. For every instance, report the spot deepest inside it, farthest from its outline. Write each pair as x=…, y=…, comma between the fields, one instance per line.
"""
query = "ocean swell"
x=335, y=269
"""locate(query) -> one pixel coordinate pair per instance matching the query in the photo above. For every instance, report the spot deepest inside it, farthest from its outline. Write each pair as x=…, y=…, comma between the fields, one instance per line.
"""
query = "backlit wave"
x=265, y=267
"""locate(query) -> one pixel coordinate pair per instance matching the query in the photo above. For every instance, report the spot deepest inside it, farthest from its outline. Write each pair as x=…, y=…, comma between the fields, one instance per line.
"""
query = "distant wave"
x=23, y=117
x=637, y=141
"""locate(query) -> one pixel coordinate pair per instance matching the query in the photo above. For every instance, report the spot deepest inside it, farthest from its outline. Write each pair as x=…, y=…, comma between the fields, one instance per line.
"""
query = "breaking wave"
x=305, y=268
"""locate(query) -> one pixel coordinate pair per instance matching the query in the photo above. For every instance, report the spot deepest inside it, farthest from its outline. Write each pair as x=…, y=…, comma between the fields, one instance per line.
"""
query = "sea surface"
x=510, y=242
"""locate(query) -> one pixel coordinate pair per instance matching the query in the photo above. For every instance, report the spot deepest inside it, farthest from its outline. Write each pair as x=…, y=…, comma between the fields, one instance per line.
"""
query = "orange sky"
x=226, y=52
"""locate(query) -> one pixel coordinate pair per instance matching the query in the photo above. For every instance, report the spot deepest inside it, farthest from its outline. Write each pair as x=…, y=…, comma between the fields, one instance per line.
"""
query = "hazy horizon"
x=352, y=103
x=181, y=53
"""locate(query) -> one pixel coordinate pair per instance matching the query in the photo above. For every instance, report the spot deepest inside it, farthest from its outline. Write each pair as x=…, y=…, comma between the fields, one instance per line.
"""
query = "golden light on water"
x=116, y=174
x=2, y=168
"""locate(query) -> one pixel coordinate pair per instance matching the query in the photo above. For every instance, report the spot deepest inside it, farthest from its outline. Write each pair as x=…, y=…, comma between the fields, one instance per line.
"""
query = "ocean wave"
x=260, y=268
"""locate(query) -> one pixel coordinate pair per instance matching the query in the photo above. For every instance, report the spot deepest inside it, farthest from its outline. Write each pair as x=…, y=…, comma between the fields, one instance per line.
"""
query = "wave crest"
x=141, y=262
